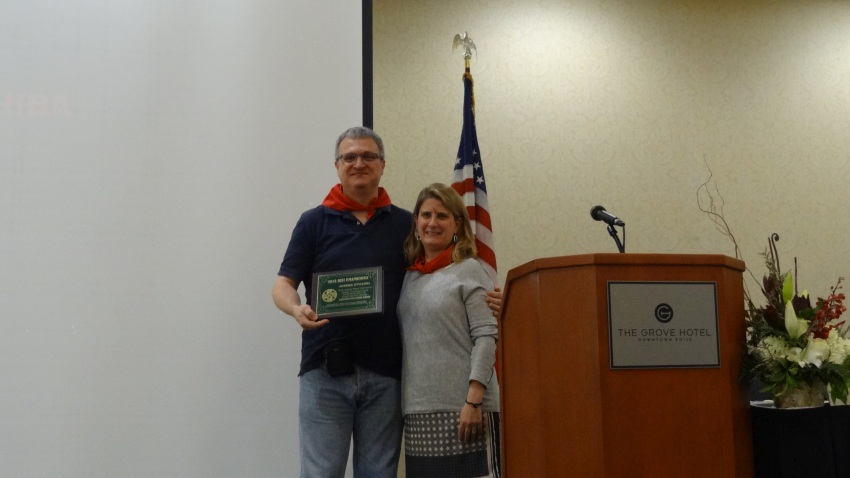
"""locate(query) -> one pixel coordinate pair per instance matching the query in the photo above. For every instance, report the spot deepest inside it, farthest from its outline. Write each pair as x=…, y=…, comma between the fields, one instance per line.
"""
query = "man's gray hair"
x=360, y=132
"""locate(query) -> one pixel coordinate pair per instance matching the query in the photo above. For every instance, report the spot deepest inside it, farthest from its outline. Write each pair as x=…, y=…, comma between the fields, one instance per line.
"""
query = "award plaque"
x=349, y=292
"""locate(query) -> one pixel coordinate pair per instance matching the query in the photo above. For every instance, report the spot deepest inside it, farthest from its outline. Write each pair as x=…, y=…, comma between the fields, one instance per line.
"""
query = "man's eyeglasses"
x=350, y=158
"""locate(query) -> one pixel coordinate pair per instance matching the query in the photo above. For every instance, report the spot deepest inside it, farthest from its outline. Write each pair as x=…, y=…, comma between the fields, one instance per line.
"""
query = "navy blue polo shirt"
x=327, y=240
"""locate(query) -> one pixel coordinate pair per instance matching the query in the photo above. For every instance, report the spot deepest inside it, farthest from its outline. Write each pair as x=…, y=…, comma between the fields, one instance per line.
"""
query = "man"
x=355, y=227
x=350, y=366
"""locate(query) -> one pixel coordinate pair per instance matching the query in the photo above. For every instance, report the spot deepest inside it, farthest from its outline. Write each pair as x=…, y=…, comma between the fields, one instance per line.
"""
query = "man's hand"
x=494, y=300
x=286, y=298
x=306, y=318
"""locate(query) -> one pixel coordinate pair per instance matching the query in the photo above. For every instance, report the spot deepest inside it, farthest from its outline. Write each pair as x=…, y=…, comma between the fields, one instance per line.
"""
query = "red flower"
x=828, y=310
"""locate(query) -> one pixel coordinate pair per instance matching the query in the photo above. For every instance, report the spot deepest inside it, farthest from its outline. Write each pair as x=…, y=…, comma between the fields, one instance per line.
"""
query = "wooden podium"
x=566, y=412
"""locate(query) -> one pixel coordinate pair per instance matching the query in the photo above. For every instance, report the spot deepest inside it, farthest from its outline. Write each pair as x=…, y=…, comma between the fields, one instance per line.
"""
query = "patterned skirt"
x=431, y=447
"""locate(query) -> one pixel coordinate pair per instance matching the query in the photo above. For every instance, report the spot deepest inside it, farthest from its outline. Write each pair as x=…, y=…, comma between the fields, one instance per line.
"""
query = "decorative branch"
x=714, y=210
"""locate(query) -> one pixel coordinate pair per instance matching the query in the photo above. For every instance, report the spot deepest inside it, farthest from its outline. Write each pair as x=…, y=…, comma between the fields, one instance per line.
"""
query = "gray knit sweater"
x=449, y=336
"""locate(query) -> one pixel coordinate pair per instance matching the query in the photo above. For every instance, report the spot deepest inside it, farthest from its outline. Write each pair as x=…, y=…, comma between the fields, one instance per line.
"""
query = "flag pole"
x=468, y=175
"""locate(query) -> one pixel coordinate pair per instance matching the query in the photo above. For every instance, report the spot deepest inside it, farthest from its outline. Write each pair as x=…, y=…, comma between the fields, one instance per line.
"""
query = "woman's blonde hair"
x=465, y=245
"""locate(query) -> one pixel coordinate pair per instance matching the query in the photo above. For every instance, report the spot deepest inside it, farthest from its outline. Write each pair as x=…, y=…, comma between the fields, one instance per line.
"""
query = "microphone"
x=600, y=214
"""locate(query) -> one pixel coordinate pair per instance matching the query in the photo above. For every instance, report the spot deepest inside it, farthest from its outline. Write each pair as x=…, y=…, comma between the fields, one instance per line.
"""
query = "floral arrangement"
x=791, y=343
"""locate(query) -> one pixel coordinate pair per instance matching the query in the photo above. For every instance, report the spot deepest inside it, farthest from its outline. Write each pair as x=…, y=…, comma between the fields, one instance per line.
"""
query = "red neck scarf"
x=339, y=201
x=435, y=264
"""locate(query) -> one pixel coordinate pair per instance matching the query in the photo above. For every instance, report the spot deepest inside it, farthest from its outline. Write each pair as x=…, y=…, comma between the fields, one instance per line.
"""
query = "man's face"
x=363, y=173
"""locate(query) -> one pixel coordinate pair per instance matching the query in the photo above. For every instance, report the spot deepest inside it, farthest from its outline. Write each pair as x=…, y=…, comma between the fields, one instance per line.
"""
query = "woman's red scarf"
x=435, y=264
x=339, y=201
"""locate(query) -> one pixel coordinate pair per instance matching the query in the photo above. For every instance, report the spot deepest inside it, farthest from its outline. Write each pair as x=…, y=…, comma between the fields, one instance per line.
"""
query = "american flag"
x=468, y=181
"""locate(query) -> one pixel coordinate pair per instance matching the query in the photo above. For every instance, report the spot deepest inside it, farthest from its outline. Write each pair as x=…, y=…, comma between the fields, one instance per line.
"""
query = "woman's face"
x=435, y=225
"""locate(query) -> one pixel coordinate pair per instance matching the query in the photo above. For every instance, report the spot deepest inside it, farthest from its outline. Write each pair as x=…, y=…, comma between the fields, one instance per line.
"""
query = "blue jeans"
x=364, y=405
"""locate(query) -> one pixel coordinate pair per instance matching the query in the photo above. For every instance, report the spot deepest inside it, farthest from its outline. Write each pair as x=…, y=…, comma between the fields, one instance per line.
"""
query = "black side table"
x=801, y=442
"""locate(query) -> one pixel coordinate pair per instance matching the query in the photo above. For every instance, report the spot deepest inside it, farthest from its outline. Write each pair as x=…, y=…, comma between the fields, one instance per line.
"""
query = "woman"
x=449, y=341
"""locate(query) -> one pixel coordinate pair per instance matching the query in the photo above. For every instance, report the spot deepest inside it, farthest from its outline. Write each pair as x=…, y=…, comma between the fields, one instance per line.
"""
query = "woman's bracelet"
x=474, y=405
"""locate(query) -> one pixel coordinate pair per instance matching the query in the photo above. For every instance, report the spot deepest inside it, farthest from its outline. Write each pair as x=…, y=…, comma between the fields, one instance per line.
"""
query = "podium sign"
x=663, y=324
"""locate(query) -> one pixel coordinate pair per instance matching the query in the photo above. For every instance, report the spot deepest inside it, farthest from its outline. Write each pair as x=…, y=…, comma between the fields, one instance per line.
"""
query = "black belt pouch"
x=339, y=358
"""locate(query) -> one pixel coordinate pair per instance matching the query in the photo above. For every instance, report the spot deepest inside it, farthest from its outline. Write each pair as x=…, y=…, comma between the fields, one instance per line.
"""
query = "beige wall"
x=624, y=104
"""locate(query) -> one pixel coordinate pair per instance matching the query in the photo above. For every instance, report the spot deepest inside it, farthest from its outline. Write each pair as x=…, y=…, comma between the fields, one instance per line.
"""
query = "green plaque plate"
x=350, y=292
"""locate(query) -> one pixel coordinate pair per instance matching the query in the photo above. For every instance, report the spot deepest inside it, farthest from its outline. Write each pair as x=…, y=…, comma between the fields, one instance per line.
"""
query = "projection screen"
x=154, y=157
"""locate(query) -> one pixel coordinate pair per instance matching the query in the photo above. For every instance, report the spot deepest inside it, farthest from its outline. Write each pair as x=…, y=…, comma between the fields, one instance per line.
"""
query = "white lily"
x=794, y=325
x=816, y=353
